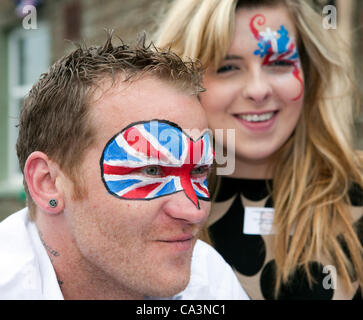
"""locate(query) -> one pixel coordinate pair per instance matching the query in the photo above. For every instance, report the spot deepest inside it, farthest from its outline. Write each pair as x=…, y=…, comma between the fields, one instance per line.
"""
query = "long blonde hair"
x=315, y=168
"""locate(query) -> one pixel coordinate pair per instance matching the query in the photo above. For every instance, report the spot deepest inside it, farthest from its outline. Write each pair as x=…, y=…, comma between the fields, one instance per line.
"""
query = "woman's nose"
x=257, y=88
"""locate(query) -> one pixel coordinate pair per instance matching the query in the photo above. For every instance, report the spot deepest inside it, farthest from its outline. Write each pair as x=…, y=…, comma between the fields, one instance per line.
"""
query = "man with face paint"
x=115, y=151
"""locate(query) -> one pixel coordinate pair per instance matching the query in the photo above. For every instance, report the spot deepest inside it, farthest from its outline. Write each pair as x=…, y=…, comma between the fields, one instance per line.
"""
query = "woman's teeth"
x=257, y=117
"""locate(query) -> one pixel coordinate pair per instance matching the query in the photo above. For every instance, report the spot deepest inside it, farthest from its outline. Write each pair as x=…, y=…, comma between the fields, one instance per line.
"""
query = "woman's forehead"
x=270, y=17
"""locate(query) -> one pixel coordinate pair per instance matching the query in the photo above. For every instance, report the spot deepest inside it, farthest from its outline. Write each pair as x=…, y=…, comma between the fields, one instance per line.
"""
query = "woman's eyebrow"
x=233, y=57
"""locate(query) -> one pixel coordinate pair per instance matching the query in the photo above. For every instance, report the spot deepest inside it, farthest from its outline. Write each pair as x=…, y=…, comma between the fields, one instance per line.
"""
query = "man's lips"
x=178, y=238
x=177, y=243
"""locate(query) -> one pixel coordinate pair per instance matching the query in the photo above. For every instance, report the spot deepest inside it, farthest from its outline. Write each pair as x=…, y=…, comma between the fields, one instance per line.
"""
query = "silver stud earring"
x=53, y=203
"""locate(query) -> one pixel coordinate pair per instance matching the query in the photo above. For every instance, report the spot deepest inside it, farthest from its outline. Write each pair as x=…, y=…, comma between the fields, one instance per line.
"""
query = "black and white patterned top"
x=251, y=256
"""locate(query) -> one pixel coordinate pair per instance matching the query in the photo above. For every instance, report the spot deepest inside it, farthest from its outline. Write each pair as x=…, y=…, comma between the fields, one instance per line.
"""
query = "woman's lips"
x=257, y=121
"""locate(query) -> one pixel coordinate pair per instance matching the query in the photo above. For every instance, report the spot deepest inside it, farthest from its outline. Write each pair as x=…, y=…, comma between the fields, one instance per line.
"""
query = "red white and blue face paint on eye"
x=277, y=47
x=151, y=159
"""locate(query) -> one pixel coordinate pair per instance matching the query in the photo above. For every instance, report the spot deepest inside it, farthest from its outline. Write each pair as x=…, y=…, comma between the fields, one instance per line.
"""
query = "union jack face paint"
x=276, y=47
x=151, y=159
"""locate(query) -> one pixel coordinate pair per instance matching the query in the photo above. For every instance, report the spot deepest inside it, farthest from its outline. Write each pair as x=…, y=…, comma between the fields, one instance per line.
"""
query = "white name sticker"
x=258, y=220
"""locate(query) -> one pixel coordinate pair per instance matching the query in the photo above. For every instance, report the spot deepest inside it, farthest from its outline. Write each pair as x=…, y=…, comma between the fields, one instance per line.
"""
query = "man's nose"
x=180, y=207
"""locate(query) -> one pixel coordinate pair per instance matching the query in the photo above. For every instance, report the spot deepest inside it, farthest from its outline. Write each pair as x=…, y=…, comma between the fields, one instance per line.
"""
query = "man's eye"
x=152, y=171
x=200, y=171
x=226, y=68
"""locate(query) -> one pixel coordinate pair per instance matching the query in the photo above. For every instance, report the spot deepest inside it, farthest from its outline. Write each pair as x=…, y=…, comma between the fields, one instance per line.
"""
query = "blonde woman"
x=289, y=219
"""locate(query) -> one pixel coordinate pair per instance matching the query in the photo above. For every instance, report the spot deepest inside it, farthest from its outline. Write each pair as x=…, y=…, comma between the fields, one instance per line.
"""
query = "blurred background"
x=33, y=37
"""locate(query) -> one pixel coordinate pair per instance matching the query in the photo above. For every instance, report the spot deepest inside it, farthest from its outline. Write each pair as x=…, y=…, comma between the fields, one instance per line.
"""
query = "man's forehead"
x=115, y=106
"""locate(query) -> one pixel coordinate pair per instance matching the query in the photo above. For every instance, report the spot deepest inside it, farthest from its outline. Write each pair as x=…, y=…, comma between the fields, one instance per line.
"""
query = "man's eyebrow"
x=232, y=57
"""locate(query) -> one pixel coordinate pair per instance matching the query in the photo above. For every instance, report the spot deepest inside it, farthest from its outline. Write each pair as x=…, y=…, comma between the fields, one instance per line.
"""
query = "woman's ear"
x=41, y=174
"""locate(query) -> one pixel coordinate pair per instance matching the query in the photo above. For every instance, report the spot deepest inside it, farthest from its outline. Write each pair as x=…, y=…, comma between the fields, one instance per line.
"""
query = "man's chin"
x=170, y=285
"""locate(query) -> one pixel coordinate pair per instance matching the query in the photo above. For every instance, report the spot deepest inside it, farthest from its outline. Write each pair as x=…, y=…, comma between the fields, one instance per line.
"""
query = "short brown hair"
x=54, y=116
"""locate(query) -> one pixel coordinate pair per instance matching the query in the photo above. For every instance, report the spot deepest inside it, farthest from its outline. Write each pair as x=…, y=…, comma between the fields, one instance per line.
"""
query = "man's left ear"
x=42, y=176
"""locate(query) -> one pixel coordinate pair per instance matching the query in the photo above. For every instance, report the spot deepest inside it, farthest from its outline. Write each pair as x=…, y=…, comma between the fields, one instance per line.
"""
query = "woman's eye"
x=281, y=63
x=200, y=171
x=152, y=171
x=226, y=68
